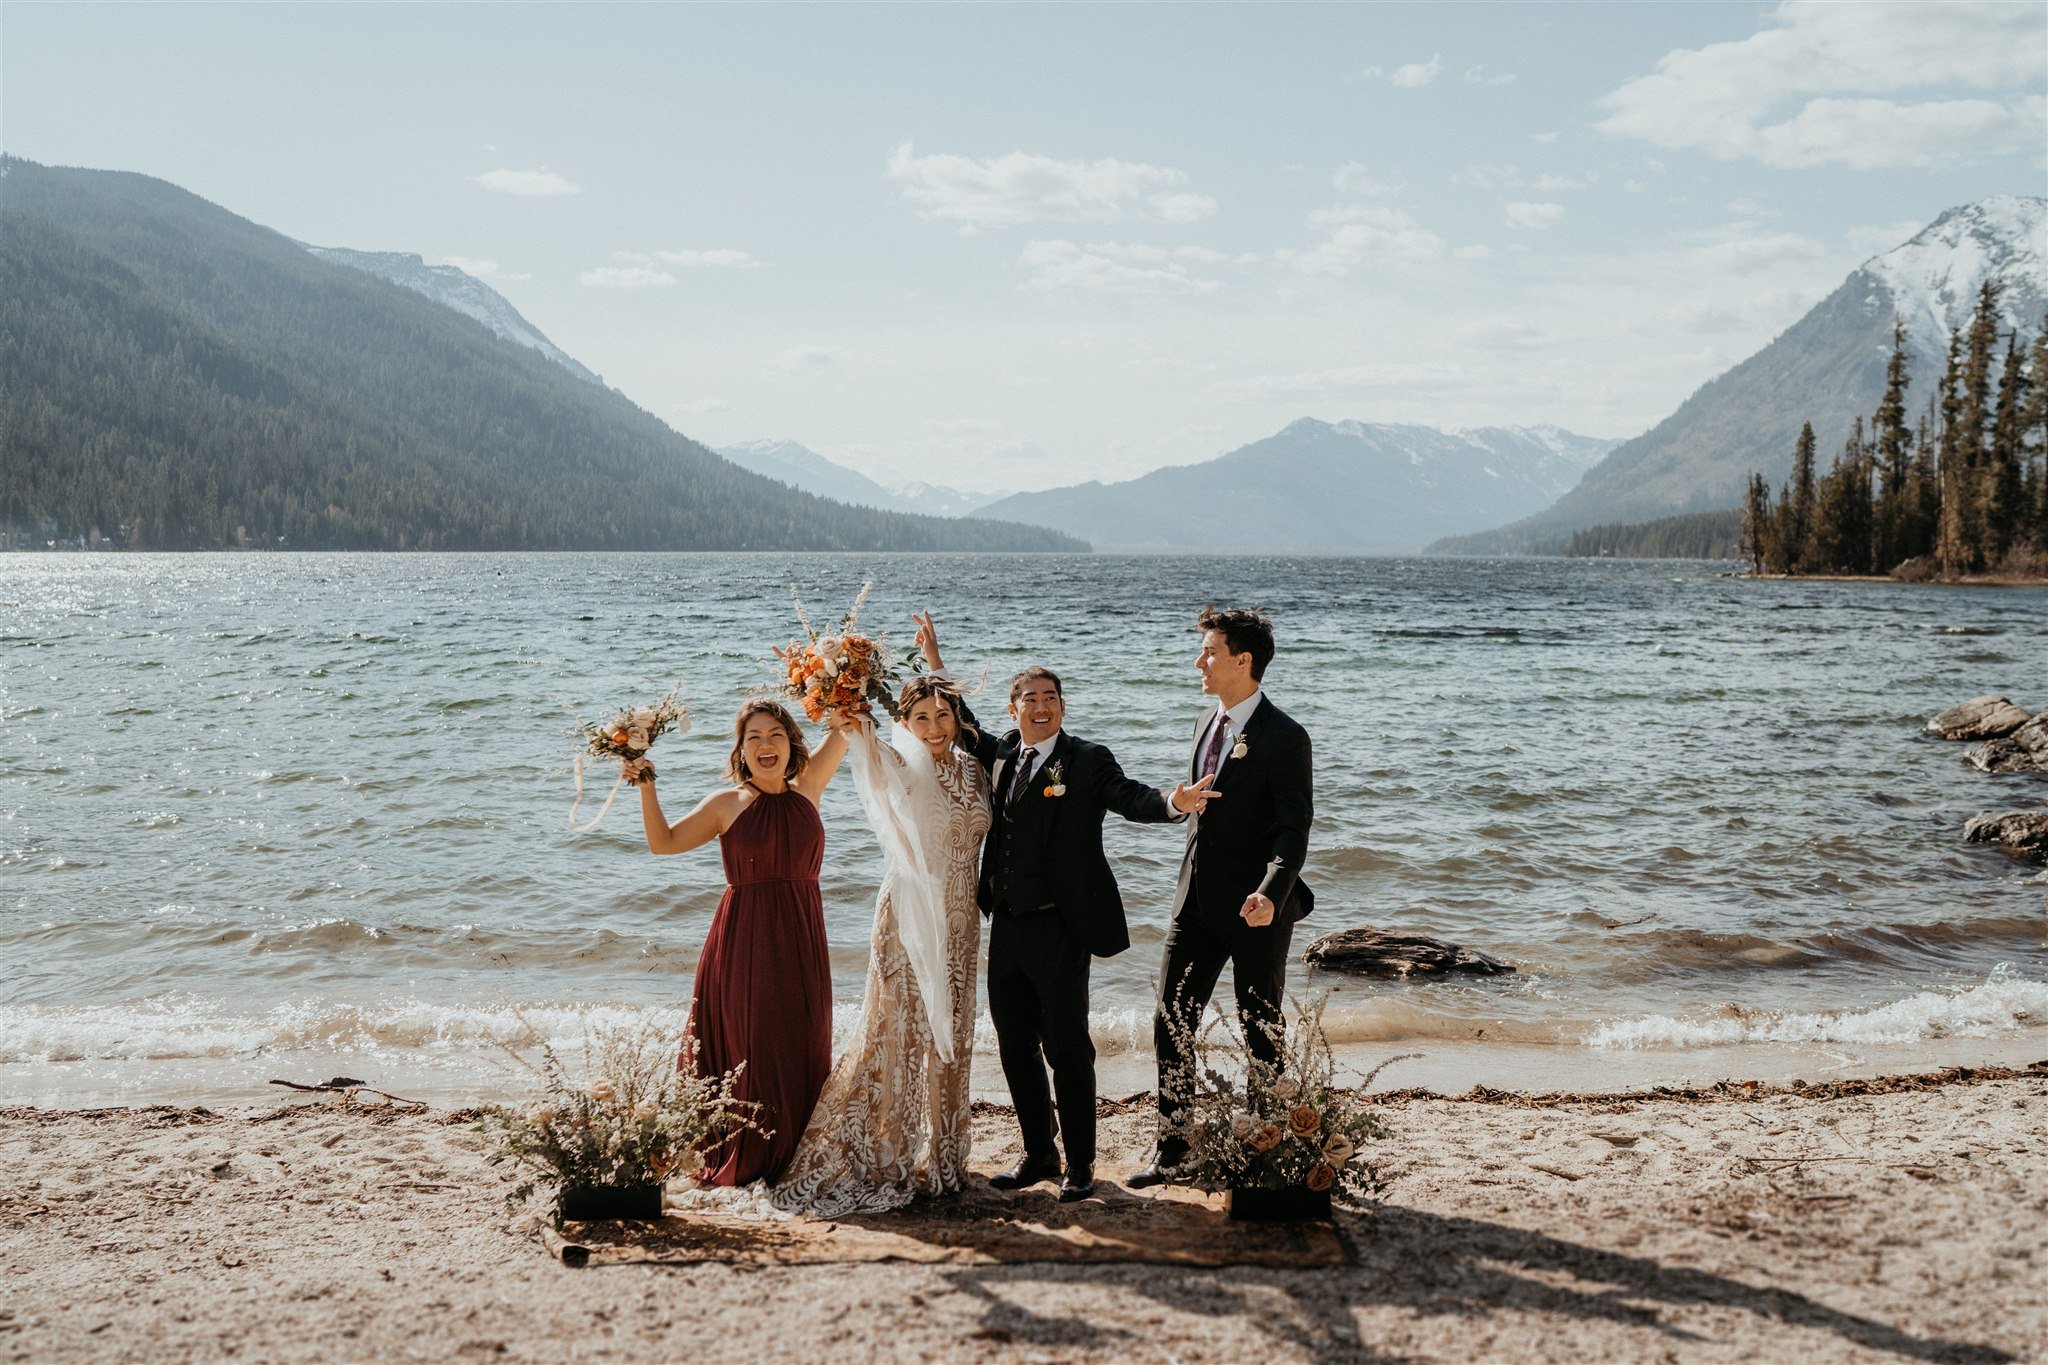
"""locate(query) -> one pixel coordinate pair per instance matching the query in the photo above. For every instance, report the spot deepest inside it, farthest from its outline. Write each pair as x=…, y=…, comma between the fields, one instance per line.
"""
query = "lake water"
x=293, y=815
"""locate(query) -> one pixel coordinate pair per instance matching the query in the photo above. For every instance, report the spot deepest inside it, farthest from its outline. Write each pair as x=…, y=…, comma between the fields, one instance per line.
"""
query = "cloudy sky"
x=1017, y=246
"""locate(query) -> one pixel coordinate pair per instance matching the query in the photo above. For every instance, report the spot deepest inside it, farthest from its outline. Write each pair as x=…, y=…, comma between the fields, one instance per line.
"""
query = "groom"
x=1052, y=903
x=1240, y=886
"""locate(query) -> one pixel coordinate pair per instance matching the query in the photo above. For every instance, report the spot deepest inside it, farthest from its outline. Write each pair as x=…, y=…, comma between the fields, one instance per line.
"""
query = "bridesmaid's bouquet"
x=840, y=670
x=630, y=732
x=627, y=734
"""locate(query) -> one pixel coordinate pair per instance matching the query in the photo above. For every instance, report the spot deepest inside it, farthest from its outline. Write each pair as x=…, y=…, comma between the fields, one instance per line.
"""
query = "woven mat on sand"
x=982, y=1226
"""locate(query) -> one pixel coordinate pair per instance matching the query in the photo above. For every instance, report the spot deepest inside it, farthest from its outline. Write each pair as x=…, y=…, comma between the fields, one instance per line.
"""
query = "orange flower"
x=619, y=737
x=1267, y=1137
x=1321, y=1178
x=1304, y=1121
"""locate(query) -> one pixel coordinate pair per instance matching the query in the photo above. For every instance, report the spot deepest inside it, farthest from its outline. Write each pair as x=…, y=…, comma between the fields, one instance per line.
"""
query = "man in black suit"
x=1240, y=886
x=1052, y=903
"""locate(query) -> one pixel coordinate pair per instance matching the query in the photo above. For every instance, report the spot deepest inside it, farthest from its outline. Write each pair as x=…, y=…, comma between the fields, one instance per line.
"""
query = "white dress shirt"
x=1234, y=718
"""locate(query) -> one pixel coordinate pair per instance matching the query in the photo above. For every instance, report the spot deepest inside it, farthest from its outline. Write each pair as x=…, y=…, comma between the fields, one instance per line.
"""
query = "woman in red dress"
x=764, y=982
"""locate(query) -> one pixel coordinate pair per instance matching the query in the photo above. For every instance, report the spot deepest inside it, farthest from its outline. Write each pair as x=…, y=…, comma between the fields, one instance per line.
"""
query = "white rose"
x=636, y=739
x=643, y=717
x=1286, y=1088
x=1241, y=1125
x=644, y=1110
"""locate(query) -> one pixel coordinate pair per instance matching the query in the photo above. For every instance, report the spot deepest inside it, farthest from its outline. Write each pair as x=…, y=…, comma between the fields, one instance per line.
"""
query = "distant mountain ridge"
x=173, y=376
x=1827, y=368
x=801, y=467
x=455, y=288
x=1343, y=486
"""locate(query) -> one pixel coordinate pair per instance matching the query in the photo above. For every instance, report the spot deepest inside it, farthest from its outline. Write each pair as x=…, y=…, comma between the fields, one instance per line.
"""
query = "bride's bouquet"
x=627, y=734
x=841, y=670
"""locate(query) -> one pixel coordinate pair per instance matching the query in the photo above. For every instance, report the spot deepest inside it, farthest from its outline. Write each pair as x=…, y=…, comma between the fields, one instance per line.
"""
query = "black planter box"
x=1277, y=1206
x=590, y=1203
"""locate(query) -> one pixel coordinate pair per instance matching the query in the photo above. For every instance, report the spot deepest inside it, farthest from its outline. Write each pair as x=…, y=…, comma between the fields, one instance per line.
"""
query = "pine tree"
x=1794, y=538
x=1757, y=525
x=1956, y=502
x=1923, y=489
x=2033, y=425
x=1891, y=447
x=2008, y=508
x=1842, y=534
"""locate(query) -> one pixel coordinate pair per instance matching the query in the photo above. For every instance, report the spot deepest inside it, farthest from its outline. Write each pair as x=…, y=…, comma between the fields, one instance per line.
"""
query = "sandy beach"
x=1874, y=1219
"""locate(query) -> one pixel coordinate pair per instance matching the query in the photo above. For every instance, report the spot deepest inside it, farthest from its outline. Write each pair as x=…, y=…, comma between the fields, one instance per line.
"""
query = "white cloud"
x=1750, y=208
x=1399, y=377
x=1116, y=267
x=1534, y=216
x=1838, y=59
x=1024, y=188
x=1501, y=334
x=469, y=265
x=1353, y=178
x=528, y=183
x=1359, y=236
x=1488, y=177
x=723, y=258
x=1878, y=238
x=1553, y=184
x=1748, y=255
x=699, y=406
x=628, y=277
x=1479, y=75
x=1416, y=74
x=1545, y=138
x=1368, y=73
x=809, y=358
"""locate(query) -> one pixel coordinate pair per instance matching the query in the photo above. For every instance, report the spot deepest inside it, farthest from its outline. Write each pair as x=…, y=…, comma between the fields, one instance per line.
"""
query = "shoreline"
x=1876, y=1219
x=1967, y=581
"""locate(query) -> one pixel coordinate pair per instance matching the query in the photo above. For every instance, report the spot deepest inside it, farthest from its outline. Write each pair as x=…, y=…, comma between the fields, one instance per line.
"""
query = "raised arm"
x=825, y=761
x=983, y=745
x=712, y=817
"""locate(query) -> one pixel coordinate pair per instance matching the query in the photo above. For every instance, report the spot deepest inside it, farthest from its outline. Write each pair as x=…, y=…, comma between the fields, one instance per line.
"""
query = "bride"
x=894, y=1111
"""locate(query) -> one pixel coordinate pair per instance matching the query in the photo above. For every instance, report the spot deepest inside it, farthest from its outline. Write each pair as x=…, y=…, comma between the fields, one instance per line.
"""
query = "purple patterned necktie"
x=1212, y=758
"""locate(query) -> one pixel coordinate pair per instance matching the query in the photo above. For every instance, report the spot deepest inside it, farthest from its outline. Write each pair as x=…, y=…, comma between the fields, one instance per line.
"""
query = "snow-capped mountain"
x=459, y=290
x=801, y=467
x=1827, y=368
x=1356, y=486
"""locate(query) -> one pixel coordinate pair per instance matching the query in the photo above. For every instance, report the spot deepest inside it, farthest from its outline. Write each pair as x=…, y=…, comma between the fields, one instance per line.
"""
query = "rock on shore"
x=1978, y=718
x=1370, y=952
x=2025, y=750
x=2023, y=834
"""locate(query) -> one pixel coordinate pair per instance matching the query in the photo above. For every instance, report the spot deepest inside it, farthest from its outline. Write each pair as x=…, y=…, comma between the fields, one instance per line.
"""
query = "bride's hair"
x=736, y=769
x=924, y=687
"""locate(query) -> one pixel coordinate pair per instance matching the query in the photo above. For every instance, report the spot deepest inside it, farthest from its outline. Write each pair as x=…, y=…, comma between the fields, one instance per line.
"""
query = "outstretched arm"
x=1126, y=796
x=973, y=738
x=825, y=760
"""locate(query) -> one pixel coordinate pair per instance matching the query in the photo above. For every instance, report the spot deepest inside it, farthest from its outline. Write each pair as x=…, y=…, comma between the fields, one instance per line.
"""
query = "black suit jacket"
x=1043, y=854
x=1256, y=837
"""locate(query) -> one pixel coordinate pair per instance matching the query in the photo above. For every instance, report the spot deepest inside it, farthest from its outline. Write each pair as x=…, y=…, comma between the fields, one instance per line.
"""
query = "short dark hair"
x=1246, y=632
x=1031, y=675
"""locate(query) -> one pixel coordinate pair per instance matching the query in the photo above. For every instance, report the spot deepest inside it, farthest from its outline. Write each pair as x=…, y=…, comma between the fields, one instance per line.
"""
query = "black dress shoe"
x=1079, y=1185
x=1164, y=1170
x=1029, y=1171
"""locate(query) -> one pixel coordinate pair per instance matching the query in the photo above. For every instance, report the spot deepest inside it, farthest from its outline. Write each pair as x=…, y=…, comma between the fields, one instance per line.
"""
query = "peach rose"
x=601, y=1090
x=540, y=1116
x=1304, y=1121
x=1241, y=1125
x=636, y=739
x=1321, y=1178
x=1339, y=1150
x=1286, y=1088
x=1267, y=1137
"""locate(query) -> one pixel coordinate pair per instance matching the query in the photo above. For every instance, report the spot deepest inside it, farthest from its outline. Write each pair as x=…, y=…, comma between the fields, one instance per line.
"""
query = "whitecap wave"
x=2000, y=1004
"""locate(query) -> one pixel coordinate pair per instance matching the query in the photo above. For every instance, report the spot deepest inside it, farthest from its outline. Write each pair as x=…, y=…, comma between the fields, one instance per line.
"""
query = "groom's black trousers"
x=1197, y=946
x=1038, y=1001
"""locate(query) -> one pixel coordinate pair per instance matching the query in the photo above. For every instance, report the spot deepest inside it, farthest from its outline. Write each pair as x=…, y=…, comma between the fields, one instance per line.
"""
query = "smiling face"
x=1038, y=709
x=932, y=720
x=767, y=748
x=1224, y=674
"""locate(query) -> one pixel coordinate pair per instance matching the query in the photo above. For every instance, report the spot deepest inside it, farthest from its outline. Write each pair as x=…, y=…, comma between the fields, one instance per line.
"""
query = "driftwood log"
x=2023, y=834
x=1369, y=952
x=1978, y=718
x=2025, y=750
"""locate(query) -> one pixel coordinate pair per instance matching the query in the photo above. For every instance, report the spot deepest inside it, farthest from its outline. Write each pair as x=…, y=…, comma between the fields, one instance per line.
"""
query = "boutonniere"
x=1055, y=779
x=1240, y=749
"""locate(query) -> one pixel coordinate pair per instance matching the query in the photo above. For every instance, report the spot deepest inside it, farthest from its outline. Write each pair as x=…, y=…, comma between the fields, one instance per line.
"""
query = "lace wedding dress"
x=894, y=1111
